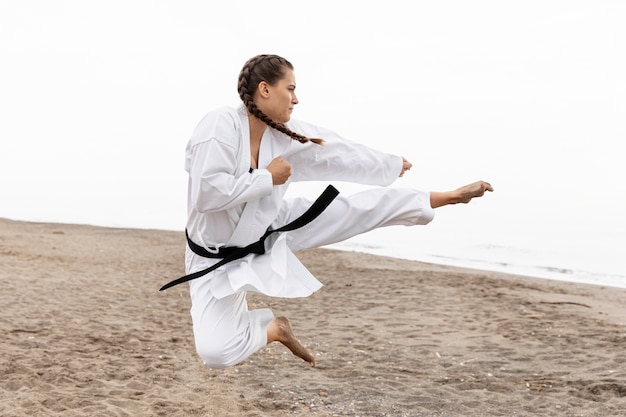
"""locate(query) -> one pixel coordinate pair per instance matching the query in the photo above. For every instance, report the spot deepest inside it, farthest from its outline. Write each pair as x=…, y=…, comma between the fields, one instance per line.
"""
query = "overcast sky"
x=98, y=99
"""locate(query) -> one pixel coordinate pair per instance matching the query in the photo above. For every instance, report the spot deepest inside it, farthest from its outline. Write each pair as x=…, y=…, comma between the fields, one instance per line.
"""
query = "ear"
x=264, y=89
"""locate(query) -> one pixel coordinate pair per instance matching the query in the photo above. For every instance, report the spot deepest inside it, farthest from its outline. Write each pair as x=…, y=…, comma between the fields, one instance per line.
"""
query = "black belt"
x=229, y=254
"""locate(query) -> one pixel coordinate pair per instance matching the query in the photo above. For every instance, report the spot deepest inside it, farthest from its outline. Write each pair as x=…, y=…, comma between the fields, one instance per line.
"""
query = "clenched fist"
x=280, y=170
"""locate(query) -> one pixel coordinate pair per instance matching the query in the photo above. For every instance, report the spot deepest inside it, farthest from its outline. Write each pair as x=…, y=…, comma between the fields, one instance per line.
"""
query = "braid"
x=268, y=68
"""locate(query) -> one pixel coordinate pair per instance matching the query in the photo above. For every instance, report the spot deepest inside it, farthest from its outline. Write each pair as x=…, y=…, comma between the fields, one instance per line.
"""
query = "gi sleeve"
x=218, y=179
x=339, y=159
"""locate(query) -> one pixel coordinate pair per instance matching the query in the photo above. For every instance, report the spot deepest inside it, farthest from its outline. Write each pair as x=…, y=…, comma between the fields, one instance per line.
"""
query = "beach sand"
x=87, y=333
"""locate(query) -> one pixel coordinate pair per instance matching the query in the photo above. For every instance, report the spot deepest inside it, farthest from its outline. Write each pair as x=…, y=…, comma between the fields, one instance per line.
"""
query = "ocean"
x=592, y=258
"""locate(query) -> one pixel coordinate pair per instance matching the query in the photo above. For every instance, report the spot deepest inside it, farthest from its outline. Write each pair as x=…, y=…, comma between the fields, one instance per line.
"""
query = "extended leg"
x=355, y=214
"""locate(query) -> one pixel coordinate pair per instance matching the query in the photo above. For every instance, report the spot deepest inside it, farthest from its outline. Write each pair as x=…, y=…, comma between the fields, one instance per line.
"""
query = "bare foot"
x=470, y=191
x=279, y=330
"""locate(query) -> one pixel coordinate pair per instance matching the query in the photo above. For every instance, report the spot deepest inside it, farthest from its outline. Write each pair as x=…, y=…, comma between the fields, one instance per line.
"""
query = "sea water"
x=592, y=257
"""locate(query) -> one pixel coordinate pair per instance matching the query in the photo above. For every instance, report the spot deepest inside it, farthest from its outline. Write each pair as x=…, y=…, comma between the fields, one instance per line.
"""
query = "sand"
x=85, y=332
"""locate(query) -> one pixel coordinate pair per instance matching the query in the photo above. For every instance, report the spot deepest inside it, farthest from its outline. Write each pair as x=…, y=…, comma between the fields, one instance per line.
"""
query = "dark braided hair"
x=268, y=68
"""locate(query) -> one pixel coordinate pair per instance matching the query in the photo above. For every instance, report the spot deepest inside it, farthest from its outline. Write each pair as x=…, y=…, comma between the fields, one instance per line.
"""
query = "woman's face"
x=277, y=101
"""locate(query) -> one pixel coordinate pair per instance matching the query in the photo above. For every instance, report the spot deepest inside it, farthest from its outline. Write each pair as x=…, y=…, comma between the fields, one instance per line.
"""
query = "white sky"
x=98, y=100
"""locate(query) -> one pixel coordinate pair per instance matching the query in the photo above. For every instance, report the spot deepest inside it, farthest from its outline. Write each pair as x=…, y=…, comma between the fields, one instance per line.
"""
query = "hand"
x=406, y=165
x=280, y=170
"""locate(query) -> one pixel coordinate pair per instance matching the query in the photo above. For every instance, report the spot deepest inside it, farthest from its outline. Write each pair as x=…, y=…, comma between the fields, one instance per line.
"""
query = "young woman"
x=240, y=162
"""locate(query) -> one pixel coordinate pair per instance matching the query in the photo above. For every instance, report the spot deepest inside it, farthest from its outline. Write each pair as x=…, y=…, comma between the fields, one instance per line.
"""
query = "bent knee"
x=226, y=345
x=215, y=355
x=221, y=354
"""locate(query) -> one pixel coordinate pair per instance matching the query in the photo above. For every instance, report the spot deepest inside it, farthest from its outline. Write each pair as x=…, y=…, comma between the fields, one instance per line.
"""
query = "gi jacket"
x=231, y=205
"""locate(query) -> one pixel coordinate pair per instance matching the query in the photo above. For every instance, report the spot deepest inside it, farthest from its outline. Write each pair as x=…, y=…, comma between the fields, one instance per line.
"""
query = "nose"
x=294, y=99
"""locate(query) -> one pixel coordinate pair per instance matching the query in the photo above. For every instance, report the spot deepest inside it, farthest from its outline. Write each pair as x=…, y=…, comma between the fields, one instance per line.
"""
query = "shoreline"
x=545, y=272
x=88, y=333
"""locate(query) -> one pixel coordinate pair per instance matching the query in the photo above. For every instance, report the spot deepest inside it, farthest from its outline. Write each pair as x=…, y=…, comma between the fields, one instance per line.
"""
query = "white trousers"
x=226, y=332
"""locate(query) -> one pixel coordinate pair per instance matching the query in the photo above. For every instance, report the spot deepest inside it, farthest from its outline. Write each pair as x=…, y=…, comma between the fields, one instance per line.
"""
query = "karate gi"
x=231, y=205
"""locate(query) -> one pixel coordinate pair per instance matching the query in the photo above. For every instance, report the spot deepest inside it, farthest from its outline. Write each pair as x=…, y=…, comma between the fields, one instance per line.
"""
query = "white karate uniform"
x=230, y=206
